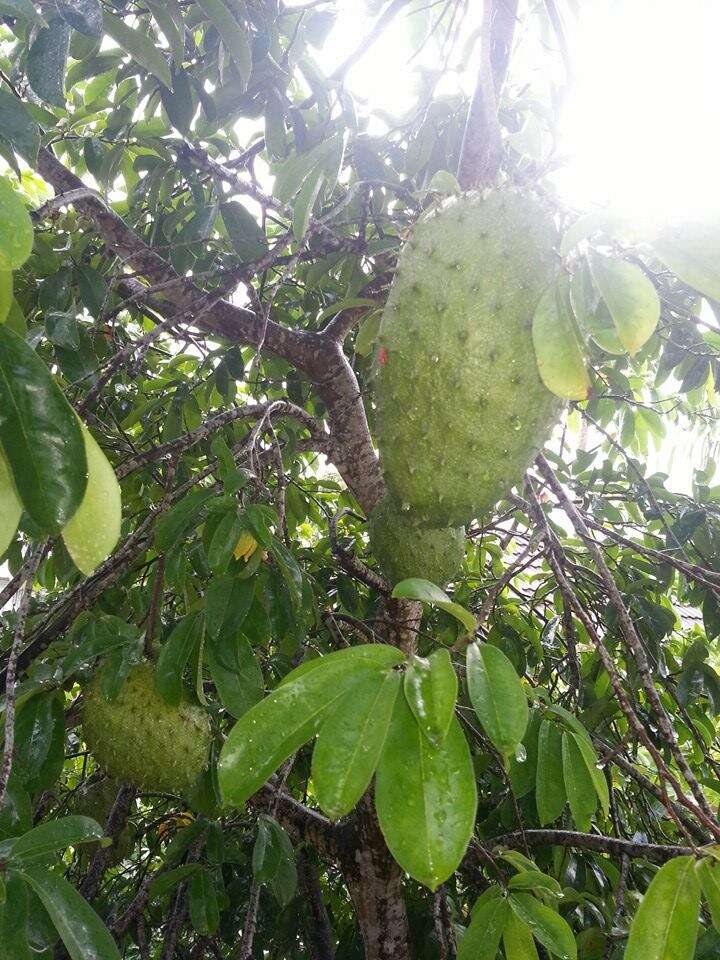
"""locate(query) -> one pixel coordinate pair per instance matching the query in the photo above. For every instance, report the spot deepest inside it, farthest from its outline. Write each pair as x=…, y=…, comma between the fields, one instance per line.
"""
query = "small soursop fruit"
x=140, y=738
x=462, y=411
x=96, y=800
x=405, y=548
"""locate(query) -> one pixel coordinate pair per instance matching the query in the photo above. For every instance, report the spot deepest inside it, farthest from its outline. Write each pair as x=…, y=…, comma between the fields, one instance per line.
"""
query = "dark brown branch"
x=317, y=923
x=482, y=150
x=614, y=846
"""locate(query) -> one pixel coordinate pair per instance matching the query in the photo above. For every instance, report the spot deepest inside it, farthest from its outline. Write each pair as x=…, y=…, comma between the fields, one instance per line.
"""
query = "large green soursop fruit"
x=404, y=548
x=140, y=738
x=462, y=411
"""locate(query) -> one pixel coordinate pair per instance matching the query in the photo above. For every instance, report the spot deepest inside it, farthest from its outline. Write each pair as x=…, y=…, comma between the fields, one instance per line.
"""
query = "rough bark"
x=375, y=884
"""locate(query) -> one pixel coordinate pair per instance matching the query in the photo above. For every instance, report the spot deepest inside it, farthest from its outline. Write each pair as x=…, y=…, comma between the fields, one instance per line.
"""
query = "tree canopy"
x=239, y=721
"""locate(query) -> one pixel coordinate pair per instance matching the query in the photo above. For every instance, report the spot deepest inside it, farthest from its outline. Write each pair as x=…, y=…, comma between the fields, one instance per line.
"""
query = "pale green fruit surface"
x=140, y=738
x=462, y=411
x=94, y=529
x=10, y=506
x=404, y=548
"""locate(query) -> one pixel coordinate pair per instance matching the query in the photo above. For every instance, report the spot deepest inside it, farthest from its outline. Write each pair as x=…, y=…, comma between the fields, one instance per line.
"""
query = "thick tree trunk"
x=374, y=882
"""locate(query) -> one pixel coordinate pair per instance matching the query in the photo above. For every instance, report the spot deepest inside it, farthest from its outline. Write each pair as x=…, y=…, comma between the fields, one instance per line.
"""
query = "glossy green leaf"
x=47, y=60
x=14, y=920
x=579, y=785
x=425, y=798
x=179, y=102
x=482, y=937
x=234, y=36
x=235, y=671
x=550, y=796
x=16, y=229
x=414, y=588
x=350, y=741
x=6, y=293
x=497, y=695
x=587, y=751
x=304, y=203
x=92, y=533
x=174, y=657
x=518, y=941
x=666, y=922
x=708, y=873
x=41, y=436
x=168, y=16
x=558, y=352
x=17, y=127
x=287, y=718
x=227, y=602
x=631, y=299
x=136, y=43
x=534, y=880
x=55, y=836
x=203, y=903
x=245, y=233
x=431, y=691
x=548, y=927
x=10, y=506
x=692, y=251
x=82, y=931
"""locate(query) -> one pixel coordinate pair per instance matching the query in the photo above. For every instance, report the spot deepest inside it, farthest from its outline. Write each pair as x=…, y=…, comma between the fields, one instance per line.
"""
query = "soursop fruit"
x=462, y=411
x=96, y=800
x=405, y=548
x=138, y=737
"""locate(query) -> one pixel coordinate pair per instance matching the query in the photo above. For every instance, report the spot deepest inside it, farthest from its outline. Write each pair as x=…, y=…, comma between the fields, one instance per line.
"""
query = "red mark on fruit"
x=382, y=356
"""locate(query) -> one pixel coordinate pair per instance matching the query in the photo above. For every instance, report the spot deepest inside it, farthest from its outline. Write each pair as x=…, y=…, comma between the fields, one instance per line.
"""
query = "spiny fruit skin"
x=462, y=411
x=96, y=800
x=140, y=738
x=404, y=548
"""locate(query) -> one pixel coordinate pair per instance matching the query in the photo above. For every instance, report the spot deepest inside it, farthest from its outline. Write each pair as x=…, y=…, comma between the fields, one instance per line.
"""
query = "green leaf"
x=425, y=798
x=518, y=941
x=246, y=235
x=414, y=588
x=40, y=435
x=235, y=672
x=666, y=922
x=174, y=657
x=557, y=349
x=550, y=795
x=587, y=752
x=273, y=860
x=579, y=785
x=233, y=35
x=291, y=715
x=227, y=602
x=16, y=229
x=498, y=696
x=179, y=102
x=692, y=251
x=10, y=506
x=6, y=293
x=85, y=16
x=547, y=925
x=631, y=299
x=534, y=880
x=203, y=903
x=431, y=691
x=55, y=836
x=442, y=181
x=224, y=540
x=168, y=16
x=708, y=873
x=46, y=62
x=137, y=44
x=350, y=741
x=94, y=529
x=14, y=920
x=171, y=528
x=25, y=9
x=304, y=203
x=482, y=937
x=82, y=931
x=17, y=127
